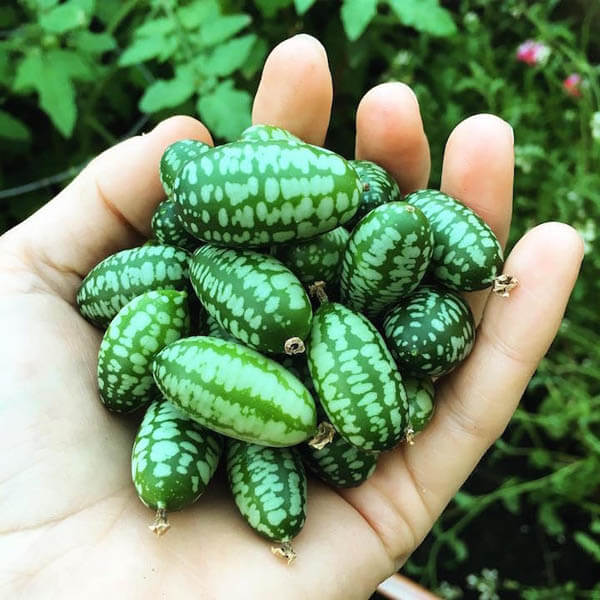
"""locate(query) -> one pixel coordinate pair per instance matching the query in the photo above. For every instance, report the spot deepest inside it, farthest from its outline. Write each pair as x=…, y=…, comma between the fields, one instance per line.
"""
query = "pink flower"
x=533, y=53
x=571, y=85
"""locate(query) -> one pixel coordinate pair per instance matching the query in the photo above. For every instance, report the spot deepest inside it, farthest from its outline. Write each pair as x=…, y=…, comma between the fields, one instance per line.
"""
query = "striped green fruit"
x=356, y=378
x=318, y=259
x=420, y=393
x=340, y=463
x=168, y=230
x=252, y=194
x=119, y=278
x=378, y=187
x=235, y=391
x=213, y=329
x=269, y=488
x=141, y=328
x=430, y=332
x=268, y=133
x=386, y=257
x=172, y=461
x=466, y=254
x=175, y=157
x=252, y=296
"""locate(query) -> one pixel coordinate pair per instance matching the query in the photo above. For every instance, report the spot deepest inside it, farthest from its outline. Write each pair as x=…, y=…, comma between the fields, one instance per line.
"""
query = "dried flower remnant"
x=533, y=53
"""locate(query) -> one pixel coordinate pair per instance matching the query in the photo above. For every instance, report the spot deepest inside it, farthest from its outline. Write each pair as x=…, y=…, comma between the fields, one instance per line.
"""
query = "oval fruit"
x=378, y=187
x=269, y=488
x=168, y=230
x=430, y=331
x=175, y=157
x=141, y=328
x=339, y=463
x=318, y=259
x=235, y=391
x=172, y=461
x=466, y=254
x=356, y=378
x=119, y=278
x=420, y=393
x=253, y=194
x=252, y=296
x=386, y=258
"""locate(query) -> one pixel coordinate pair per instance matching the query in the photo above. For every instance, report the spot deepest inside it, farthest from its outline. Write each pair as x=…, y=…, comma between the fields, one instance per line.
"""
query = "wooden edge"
x=398, y=587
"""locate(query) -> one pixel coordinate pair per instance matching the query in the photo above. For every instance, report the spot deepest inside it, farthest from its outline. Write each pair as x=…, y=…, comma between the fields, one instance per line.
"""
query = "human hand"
x=70, y=520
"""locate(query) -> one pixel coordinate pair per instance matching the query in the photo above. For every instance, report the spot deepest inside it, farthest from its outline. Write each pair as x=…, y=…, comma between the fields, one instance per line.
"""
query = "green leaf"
x=222, y=28
x=269, y=8
x=256, y=58
x=155, y=27
x=229, y=56
x=29, y=71
x=52, y=82
x=550, y=519
x=92, y=43
x=424, y=15
x=56, y=93
x=12, y=128
x=356, y=16
x=226, y=111
x=65, y=17
x=165, y=93
x=141, y=50
x=195, y=14
x=303, y=5
x=70, y=63
x=589, y=544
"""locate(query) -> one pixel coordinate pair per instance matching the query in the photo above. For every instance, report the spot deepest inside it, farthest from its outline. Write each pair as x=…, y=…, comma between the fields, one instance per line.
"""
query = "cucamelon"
x=172, y=461
x=139, y=330
x=269, y=488
x=430, y=332
x=236, y=391
x=119, y=278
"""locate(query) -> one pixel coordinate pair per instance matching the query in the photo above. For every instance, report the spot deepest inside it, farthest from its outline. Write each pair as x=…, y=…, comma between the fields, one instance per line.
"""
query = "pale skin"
x=71, y=524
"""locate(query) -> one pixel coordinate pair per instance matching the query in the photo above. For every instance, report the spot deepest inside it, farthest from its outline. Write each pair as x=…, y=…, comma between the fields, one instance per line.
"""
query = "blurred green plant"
x=78, y=75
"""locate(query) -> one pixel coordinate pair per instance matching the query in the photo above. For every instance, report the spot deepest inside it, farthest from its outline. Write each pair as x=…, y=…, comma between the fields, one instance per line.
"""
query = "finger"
x=413, y=484
x=106, y=208
x=295, y=90
x=389, y=132
x=478, y=170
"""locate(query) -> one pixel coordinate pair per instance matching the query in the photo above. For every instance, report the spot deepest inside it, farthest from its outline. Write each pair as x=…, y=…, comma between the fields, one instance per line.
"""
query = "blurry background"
x=77, y=76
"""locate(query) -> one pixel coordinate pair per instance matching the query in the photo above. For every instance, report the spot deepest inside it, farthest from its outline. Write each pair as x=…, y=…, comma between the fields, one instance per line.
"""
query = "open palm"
x=70, y=521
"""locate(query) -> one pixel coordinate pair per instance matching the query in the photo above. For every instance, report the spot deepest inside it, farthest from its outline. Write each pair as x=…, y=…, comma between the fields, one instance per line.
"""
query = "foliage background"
x=78, y=75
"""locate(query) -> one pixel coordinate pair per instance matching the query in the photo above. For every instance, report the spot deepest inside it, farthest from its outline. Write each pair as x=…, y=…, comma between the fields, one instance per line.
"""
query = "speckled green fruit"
x=356, y=378
x=319, y=259
x=430, y=332
x=173, y=458
x=268, y=133
x=421, y=394
x=251, y=194
x=466, y=254
x=386, y=257
x=340, y=463
x=168, y=230
x=377, y=186
x=253, y=296
x=269, y=488
x=236, y=391
x=175, y=157
x=118, y=279
x=140, y=329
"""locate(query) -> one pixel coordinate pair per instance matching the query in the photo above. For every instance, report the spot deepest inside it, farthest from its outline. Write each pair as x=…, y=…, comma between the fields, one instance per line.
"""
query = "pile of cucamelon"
x=210, y=328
